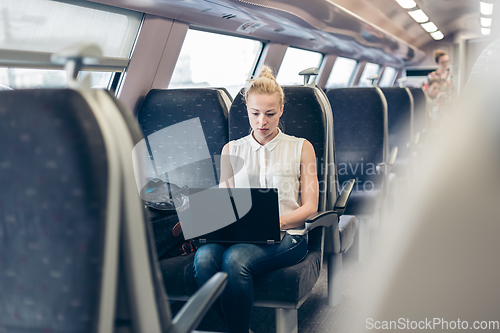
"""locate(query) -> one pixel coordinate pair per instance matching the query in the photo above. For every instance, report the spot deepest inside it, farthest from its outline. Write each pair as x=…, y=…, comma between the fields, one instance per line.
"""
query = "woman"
x=272, y=160
x=442, y=72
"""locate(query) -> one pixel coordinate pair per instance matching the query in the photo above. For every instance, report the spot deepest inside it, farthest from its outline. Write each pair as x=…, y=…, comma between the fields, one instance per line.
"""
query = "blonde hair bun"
x=265, y=83
x=266, y=72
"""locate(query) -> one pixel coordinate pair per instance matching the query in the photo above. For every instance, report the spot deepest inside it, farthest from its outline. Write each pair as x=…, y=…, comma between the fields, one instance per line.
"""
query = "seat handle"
x=342, y=199
x=193, y=311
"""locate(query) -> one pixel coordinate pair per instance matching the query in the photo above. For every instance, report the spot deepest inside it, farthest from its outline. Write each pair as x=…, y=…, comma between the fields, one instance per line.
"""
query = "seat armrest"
x=190, y=315
x=341, y=202
x=392, y=183
x=392, y=156
x=416, y=138
x=385, y=167
x=321, y=219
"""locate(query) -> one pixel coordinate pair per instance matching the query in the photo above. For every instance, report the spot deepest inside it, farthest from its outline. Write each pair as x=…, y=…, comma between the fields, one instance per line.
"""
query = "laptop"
x=232, y=215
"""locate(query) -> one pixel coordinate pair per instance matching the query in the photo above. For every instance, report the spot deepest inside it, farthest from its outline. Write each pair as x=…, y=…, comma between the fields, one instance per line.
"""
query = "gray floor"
x=314, y=315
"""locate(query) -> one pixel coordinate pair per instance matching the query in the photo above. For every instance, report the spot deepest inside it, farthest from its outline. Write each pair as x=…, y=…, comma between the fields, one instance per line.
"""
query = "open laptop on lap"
x=238, y=215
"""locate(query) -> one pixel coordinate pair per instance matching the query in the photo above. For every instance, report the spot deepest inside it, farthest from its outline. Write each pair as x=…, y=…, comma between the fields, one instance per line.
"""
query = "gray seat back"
x=420, y=110
x=184, y=130
x=54, y=207
x=400, y=117
x=360, y=126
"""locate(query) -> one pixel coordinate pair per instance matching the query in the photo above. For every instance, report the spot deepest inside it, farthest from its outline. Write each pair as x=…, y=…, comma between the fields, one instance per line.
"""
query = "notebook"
x=233, y=215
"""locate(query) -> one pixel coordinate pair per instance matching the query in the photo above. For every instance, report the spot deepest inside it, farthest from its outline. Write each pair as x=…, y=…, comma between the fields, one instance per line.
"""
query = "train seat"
x=71, y=244
x=206, y=108
x=158, y=315
x=400, y=125
x=420, y=115
x=54, y=201
x=164, y=108
x=362, y=152
x=360, y=139
x=286, y=289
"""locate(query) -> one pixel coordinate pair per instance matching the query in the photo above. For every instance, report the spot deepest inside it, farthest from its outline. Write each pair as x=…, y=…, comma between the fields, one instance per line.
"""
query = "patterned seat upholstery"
x=52, y=201
x=66, y=175
x=359, y=144
x=399, y=124
x=420, y=113
x=206, y=128
x=163, y=108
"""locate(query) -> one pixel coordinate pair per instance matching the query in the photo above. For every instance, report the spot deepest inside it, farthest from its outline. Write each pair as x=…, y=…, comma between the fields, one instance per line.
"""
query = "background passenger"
x=272, y=160
x=435, y=101
x=443, y=73
x=448, y=92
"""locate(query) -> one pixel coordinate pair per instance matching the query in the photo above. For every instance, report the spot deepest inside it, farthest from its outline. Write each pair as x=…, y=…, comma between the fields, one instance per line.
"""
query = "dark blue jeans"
x=243, y=262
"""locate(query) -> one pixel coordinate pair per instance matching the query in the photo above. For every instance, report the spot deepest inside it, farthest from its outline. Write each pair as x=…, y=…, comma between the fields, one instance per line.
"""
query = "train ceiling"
x=372, y=30
x=455, y=18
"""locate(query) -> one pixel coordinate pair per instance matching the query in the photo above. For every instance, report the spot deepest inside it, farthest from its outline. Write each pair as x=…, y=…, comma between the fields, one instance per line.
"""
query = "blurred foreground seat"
x=76, y=252
x=442, y=262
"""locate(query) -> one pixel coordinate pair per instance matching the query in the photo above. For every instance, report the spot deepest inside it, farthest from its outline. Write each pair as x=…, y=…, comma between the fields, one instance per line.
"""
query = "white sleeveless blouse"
x=274, y=165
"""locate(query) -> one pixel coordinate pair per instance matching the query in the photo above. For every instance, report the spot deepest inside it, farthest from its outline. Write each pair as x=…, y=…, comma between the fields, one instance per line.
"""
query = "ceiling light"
x=419, y=16
x=486, y=22
x=486, y=8
x=429, y=27
x=407, y=4
x=438, y=35
x=485, y=31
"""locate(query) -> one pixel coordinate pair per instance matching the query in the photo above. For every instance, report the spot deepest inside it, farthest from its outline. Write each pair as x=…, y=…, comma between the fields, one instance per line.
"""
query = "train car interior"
x=117, y=116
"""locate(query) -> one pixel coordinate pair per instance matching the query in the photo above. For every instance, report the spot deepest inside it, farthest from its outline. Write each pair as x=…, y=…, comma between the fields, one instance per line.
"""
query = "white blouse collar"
x=270, y=145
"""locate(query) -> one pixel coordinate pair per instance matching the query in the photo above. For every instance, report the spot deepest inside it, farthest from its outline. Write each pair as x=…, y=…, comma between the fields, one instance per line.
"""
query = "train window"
x=229, y=67
x=49, y=26
x=388, y=77
x=32, y=30
x=296, y=60
x=369, y=70
x=342, y=73
x=18, y=78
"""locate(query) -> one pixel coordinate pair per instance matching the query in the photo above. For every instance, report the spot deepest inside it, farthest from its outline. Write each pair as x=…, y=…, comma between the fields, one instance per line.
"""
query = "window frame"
x=364, y=68
x=393, y=78
x=323, y=55
x=42, y=60
x=353, y=73
x=229, y=34
x=264, y=42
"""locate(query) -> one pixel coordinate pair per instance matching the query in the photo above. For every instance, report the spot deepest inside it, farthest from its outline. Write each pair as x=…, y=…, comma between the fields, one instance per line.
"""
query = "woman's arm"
x=226, y=170
x=309, y=190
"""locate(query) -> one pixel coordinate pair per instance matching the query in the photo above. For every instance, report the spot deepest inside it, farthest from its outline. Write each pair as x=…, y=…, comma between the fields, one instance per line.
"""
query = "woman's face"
x=444, y=62
x=434, y=90
x=264, y=112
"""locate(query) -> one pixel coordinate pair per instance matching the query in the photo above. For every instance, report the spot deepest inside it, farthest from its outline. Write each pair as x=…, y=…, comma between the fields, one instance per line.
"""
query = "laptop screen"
x=249, y=215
